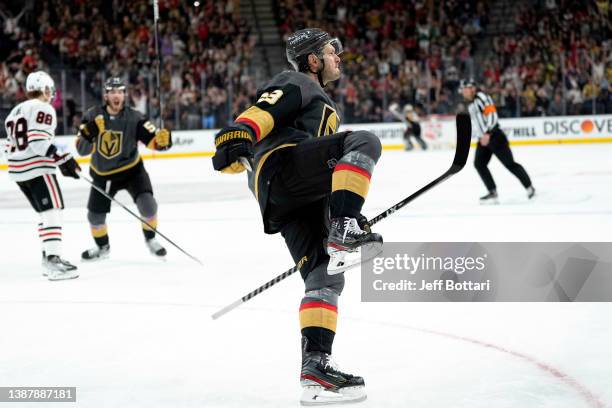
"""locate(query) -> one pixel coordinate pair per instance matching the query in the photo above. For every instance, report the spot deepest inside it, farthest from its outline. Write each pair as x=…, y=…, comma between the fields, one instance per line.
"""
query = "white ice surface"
x=136, y=332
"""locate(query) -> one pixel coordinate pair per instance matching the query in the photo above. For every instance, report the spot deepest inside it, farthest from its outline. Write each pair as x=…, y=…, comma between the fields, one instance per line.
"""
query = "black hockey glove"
x=232, y=143
x=90, y=130
x=67, y=165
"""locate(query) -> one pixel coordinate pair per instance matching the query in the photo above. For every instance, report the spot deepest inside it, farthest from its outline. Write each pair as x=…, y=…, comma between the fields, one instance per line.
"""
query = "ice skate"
x=348, y=245
x=530, y=192
x=324, y=384
x=95, y=254
x=490, y=198
x=59, y=269
x=156, y=248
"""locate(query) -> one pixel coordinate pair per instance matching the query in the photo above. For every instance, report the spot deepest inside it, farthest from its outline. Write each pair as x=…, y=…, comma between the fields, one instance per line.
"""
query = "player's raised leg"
x=350, y=185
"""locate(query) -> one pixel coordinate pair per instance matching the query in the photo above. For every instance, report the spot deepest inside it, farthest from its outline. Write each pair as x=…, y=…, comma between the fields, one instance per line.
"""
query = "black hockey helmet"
x=308, y=41
x=467, y=82
x=114, y=83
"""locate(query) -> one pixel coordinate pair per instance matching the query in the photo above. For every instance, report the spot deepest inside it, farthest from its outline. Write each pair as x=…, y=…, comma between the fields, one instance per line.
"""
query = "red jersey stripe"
x=252, y=125
x=18, y=166
x=59, y=234
x=350, y=167
x=312, y=305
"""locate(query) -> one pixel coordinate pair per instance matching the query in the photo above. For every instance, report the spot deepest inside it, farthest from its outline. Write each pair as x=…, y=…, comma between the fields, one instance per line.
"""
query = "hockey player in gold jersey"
x=310, y=182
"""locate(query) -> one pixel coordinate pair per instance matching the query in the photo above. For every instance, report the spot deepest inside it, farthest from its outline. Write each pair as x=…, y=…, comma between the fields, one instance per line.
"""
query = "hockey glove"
x=233, y=144
x=90, y=130
x=162, y=139
x=67, y=165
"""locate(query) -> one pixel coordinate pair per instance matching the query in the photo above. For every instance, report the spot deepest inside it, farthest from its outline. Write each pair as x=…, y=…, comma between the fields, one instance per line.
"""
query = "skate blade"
x=63, y=276
x=490, y=202
x=314, y=395
x=98, y=258
x=161, y=258
x=342, y=261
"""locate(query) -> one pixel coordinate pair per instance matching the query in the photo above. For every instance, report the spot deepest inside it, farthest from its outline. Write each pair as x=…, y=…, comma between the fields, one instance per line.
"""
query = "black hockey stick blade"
x=462, y=150
x=464, y=138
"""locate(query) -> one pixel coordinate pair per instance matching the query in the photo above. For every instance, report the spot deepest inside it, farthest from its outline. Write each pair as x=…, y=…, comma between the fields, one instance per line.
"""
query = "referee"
x=491, y=141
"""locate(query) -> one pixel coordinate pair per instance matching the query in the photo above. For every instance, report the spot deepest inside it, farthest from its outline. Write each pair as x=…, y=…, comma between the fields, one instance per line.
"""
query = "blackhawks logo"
x=109, y=143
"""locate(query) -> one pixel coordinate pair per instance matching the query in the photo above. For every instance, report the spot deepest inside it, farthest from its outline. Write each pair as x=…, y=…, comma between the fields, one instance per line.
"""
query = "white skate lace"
x=351, y=225
x=331, y=364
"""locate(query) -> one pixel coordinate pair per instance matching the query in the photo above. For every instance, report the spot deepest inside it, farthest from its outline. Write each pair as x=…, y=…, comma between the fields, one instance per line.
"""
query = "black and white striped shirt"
x=483, y=114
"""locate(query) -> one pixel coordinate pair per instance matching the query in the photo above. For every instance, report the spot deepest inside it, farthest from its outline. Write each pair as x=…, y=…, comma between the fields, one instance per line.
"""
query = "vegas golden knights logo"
x=109, y=143
x=329, y=121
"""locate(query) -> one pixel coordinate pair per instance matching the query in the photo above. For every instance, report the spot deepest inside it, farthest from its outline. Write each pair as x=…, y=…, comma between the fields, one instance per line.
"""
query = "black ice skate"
x=59, y=269
x=156, y=248
x=490, y=198
x=530, y=192
x=323, y=383
x=95, y=254
x=348, y=245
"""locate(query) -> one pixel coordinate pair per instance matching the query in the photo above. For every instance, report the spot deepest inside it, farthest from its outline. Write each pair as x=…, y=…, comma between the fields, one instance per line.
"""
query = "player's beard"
x=332, y=74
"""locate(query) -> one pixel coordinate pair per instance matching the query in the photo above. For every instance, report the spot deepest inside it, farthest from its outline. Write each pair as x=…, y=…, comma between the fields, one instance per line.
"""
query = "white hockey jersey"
x=30, y=128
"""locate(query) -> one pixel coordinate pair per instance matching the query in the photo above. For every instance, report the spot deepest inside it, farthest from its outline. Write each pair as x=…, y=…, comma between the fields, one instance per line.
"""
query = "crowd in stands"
x=205, y=49
x=400, y=51
x=416, y=52
x=558, y=60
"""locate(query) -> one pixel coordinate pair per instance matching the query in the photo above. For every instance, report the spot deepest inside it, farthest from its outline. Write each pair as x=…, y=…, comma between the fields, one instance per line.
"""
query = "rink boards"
x=438, y=131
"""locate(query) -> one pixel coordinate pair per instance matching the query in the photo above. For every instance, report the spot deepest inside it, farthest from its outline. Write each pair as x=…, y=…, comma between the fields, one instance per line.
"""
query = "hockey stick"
x=101, y=191
x=462, y=150
x=159, y=92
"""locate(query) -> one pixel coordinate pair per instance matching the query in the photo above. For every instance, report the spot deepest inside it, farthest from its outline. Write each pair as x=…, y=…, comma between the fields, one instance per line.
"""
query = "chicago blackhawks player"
x=32, y=160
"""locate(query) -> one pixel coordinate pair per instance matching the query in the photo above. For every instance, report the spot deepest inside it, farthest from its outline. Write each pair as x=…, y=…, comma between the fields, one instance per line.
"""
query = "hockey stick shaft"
x=256, y=292
x=145, y=222
x=462, y=150
x=157, y=55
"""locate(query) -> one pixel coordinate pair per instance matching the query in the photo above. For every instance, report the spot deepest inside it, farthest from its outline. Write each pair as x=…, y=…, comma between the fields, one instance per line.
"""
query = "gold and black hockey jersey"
x=290, y=108
x=116, y=149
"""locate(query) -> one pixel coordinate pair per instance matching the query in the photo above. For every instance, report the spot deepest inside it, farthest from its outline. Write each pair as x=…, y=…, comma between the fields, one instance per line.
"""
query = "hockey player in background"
x=413, y=127
x=32, y=161
x=110, y=133
x=491, y=141
x=311, y=183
